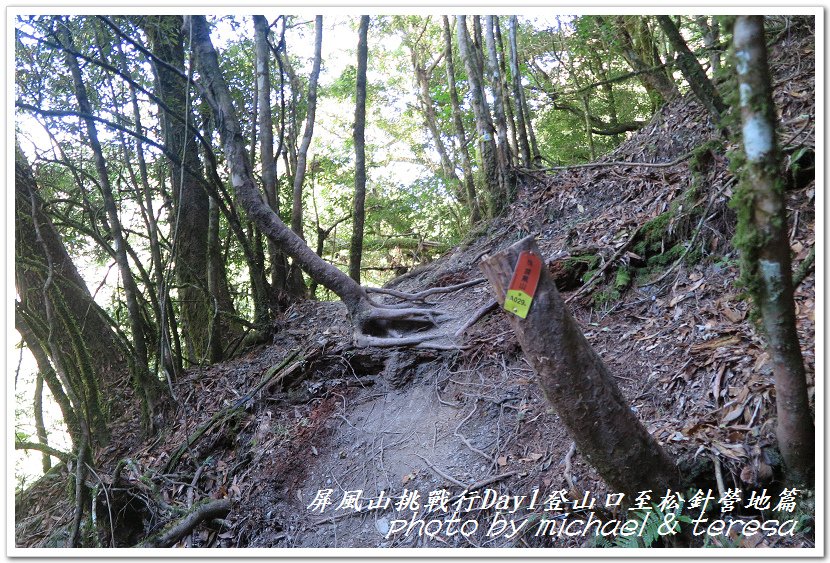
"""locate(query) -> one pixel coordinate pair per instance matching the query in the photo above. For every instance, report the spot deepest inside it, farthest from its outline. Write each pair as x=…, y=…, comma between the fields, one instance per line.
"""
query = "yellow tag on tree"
x=523, y=285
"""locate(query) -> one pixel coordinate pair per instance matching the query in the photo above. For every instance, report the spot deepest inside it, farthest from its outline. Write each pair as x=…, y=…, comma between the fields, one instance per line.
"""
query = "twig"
x=719, y=476
x=674, y=162
x=467, y=442
x=442, y=474
x=207, y=511
x=477, y=315
x=484, y=483
x=568, y=466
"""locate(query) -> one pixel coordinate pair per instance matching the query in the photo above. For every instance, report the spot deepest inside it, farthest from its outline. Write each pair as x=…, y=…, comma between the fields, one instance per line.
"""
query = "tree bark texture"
x=359, y=210
x=763, y=238
x=578, y=385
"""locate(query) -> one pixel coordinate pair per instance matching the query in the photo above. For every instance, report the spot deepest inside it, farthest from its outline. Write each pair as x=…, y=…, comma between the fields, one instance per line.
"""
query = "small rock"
x=382, y=525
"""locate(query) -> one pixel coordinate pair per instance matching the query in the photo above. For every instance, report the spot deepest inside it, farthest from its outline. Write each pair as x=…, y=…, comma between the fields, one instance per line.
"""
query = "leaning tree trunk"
x=692, y=71
x=578, y=385
x=359, y=212
x=762, y=237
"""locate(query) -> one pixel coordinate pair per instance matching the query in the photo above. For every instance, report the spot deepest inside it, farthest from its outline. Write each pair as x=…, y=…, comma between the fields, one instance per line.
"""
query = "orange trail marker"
x=523, y=285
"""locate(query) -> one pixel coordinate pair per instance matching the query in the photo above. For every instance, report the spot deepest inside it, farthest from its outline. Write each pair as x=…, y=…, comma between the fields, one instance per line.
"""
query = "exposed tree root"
x=422, y=295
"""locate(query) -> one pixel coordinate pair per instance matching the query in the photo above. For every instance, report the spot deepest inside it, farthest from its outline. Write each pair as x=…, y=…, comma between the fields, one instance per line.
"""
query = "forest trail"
x=389, y=421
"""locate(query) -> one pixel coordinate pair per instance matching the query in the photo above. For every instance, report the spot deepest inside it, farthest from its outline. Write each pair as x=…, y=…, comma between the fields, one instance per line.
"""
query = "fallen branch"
x=477, y=315
x=669, y=164
x=694, y=235
x=449, y=478
x=182, y=527
x=805, y=268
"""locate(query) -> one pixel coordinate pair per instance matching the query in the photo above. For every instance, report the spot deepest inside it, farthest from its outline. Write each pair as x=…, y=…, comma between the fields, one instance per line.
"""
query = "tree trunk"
x=59, y=316
x=267, y=157
x=40, y=427
x=762, y=237
x=653, y=80
x=503, y=145
x=374, y=324
x=359, y=213
x=461, y=137
x=578, y=385
x=302, y=154
x=692, y=71
x=148, y=386
x=710, y=34
x=521, y=118
x=505, y=89
x=45, y=369
x=484, y=125
x=191, y=201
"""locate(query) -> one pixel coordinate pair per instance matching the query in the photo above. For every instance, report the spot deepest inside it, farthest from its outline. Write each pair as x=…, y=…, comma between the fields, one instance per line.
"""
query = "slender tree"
x=458, y=122
x=521, y=118
x=359, y=212
x=484, y=124
x=149, y=386
x=308, y=132
x=191, y=218
x=762, y=238
x=267, y=157
x=503, y=147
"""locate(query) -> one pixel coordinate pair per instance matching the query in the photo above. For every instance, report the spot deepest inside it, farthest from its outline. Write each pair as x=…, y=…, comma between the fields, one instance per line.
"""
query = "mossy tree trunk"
x=765, y=250
x=692, y=71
